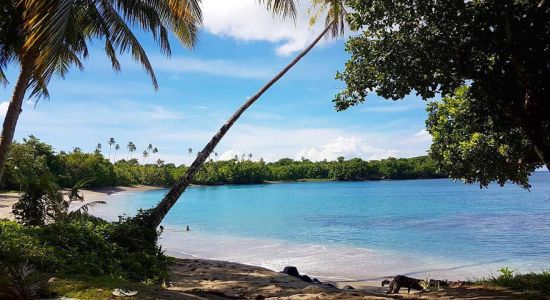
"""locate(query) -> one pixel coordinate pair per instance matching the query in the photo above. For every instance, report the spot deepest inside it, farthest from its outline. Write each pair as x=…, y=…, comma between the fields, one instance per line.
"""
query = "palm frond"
x=23, y=282
x=283, y=8
x=335, y=15
x=84, y=208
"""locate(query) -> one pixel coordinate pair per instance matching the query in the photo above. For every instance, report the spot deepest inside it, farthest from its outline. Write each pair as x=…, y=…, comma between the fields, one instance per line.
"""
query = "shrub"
x=86, y=245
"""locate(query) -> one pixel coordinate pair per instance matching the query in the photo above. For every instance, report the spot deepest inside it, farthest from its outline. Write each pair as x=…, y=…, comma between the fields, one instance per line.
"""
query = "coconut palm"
x=190, y=150
x=149, y=150
x=155, y=151
x=47, y=37
x=335, y=13
x=145, y=155
x=117, y=147
x=131, y=148
x=111, y=142
x=98, y=148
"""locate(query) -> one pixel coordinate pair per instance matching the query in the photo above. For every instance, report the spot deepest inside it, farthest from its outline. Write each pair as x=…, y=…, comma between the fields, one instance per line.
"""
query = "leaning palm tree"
x=47, y=37
x=111, y=142
x=334, y=24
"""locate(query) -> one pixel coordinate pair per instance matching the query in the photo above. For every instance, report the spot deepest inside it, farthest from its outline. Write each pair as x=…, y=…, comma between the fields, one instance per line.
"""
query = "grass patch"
x=528, y=282
x=99, y=287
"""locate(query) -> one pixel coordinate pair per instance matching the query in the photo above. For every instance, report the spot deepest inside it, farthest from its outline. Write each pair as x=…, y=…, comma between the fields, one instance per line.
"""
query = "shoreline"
x=7, y=199
x=338, y=269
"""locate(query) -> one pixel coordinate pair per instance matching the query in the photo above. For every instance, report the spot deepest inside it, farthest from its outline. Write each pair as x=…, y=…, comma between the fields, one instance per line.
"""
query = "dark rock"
x=348, y=287
x=329, y=284
x=259, y=297
x=292, y=271
x=306, y=279
x=315, y=280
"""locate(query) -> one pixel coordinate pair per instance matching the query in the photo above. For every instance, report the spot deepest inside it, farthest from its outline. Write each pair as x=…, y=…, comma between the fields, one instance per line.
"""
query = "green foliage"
x=537, y=282
x=21, y=283
x=469, y=144
x=500, y=49
x=32, y=207
x=78, y=165
x=86, y=245
x=35, y=160
x=29, y=162
x=43, y=202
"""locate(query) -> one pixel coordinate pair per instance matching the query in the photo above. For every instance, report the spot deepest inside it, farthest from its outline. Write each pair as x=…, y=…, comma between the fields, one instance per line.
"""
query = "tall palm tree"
x=149, y=150
x=155, y=151
x=190, y=150
x=334, y=24
x=131, y=148
x=145, y=155
x=47, y=37
x=117, y=147
x=98, y=148
x=111, y=142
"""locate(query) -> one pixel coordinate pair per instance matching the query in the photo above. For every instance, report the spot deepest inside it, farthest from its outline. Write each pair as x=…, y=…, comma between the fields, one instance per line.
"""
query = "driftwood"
x=402, y=281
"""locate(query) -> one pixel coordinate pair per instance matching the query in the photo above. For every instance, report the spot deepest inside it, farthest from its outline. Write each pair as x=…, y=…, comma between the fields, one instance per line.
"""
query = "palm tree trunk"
x=14, y=109
x=161, y=210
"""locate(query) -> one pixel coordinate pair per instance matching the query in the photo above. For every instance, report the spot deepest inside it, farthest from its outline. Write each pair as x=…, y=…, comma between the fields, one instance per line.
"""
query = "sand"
x=212, y=279
x=6, y=202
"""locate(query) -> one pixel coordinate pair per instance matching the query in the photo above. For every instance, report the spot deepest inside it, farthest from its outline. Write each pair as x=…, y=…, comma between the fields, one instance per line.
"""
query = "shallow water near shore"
x=359, y=230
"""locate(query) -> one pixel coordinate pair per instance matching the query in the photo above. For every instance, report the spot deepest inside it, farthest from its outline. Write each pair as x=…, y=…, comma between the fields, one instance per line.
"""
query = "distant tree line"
x=32, y=159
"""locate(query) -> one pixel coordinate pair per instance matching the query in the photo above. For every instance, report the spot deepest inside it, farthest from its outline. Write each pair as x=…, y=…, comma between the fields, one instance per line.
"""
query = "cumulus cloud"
x=348, y=147
x=248, y=21
x=230, y=154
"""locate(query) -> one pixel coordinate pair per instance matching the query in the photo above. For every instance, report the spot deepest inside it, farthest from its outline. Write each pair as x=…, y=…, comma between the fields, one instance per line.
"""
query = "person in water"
x=187, y=227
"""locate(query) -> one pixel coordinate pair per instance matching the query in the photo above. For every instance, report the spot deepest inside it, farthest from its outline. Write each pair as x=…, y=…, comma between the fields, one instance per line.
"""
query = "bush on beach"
x=86, y=245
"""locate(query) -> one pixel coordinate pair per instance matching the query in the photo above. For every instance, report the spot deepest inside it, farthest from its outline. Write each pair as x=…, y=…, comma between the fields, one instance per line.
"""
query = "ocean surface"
x=359, y=230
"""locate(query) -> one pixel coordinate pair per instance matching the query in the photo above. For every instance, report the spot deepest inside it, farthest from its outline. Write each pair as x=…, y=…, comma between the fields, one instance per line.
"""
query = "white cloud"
x=181, y=65
x=248, y=21
x=422, y=136
x=161, y=113
x=272, y=143
x=4, y=108
x=348, y=147
x=230, y=154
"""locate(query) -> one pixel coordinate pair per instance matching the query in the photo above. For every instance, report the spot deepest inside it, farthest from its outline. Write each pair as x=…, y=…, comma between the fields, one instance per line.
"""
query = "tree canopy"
x=500, y=49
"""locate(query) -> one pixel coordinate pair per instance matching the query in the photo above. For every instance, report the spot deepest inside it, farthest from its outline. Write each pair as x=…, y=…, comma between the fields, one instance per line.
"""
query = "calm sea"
x=360, y=230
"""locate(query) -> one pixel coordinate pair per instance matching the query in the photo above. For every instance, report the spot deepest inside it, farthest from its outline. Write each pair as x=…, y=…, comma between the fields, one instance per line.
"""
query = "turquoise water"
x=445, y=223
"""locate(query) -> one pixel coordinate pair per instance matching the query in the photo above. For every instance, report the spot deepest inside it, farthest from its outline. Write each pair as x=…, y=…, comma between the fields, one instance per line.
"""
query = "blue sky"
x=239, y=49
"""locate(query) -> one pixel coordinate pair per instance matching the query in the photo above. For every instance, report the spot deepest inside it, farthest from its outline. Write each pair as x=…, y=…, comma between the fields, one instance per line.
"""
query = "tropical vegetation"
x=33, y=163
x=46, y=38
x=488, y=60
